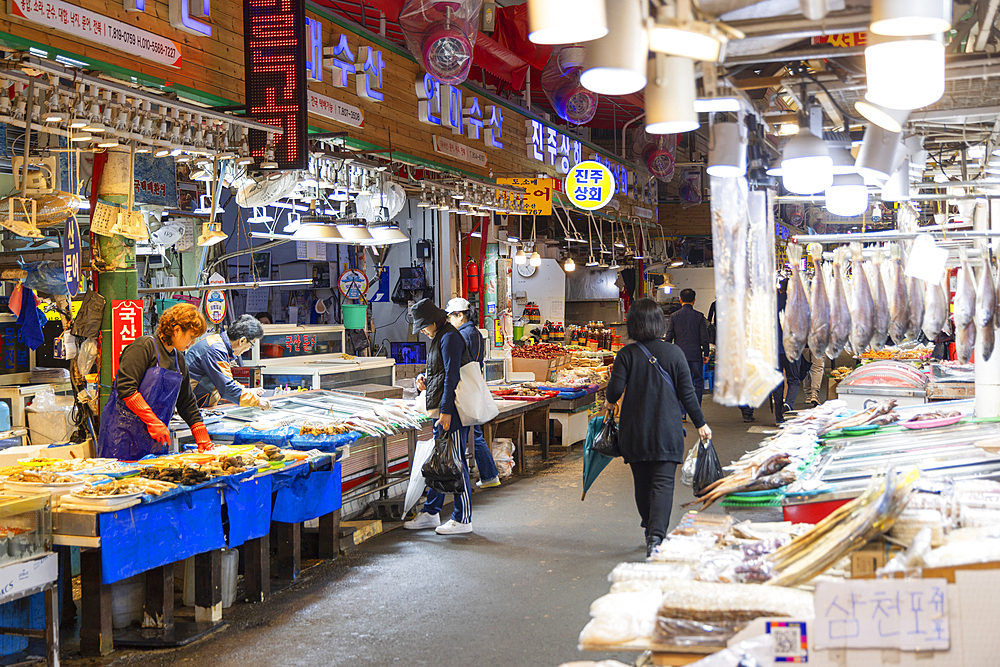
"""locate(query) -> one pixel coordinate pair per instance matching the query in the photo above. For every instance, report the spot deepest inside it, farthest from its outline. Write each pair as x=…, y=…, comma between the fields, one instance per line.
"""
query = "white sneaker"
x=452, y=527
x=488, y=483
x=423, y=520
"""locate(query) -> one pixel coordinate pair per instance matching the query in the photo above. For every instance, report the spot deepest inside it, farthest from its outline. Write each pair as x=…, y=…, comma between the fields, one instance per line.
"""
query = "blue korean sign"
x=155, y=180
x=71, y=256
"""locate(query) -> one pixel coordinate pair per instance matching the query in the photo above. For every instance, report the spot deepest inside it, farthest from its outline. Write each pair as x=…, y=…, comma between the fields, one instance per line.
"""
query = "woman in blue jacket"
x=445, y=356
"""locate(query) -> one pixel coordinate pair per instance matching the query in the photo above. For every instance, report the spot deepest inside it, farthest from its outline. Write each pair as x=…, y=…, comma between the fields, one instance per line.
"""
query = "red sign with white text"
x=126, y=326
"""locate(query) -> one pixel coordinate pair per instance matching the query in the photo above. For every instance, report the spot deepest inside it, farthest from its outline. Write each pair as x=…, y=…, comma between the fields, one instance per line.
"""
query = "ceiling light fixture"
x=905, y=72
x=675, y=32
x=670, y=93
x=901, y=18
x=727, y=150
x=847, y=196
x=616, y=63
x=806, y=165
x=569, y=266
x=890, y=119
x=519, y=257
x=566, y=21
x=877, y=155
x=536, y=259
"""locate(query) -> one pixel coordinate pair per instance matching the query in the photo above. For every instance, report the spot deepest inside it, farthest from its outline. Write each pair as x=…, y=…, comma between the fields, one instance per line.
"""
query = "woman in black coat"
x=651, y=436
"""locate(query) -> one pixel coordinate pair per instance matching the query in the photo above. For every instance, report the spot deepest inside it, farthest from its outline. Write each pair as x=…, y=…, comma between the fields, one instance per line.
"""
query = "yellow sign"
x=590, y=185
x=538, y=197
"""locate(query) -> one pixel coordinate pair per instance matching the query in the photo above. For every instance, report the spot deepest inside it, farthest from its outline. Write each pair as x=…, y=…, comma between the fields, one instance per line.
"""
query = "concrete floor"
x=516, y=592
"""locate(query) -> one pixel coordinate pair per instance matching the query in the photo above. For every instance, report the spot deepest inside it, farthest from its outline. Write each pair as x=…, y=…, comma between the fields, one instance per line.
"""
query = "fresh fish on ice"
x=881, y=300
x=935, y=308
x=862, y=304
x=819, y=307
x=965, y=309
x=795, y=317
x=840, y=311
x=899, y=300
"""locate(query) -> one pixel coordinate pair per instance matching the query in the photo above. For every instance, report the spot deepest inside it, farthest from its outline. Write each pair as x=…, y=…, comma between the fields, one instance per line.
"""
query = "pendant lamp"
x=806, y=165
x=727, y=150
x=901, y=18
x=905, y=72
x=566, y=21
x=670, y=93
x=890, y=119
x=847, y=196
x=569, y=266
x=897, y=188
x=676, y=32
x=877, y=157
x=616, y=63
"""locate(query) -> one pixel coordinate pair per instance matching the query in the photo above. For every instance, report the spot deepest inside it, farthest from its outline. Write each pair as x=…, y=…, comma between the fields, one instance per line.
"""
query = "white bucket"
x=128, y=598
x=230, y=573
x=50, y=426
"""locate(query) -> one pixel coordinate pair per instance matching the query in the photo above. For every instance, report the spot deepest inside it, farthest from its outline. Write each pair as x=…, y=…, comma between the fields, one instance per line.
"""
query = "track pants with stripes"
x=462, y=511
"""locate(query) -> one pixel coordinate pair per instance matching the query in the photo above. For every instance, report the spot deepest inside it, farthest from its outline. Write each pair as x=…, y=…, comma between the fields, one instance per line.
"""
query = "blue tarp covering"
x=324, y=443
x=140, y=538
x=279, y=437
x=247, y=508
x=301, y=496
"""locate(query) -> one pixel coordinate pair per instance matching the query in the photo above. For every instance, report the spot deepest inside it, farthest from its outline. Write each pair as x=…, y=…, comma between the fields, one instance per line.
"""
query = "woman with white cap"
x=459, y=310
x=445, y=356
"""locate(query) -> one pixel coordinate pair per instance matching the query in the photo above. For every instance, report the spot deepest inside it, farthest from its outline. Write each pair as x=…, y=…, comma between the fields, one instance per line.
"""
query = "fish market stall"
x=880, y=380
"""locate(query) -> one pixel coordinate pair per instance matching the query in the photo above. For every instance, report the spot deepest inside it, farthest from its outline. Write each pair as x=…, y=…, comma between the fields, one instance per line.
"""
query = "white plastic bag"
x=687, y=470
x=503, y=456
x=473, y=399
x=415, y=487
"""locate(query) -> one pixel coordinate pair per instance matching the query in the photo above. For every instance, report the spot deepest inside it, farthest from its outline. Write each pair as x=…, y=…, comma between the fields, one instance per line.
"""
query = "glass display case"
x=330, y=373
x=297, y=343
x=25, y=526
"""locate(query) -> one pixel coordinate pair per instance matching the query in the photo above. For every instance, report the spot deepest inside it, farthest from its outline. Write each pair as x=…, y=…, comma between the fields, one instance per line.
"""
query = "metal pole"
x=875, y=237
x=27, y=138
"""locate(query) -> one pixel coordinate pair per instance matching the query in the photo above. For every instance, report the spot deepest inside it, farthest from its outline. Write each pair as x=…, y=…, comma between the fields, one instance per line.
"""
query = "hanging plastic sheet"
x=307, y=496
x=279, y=437
x=140, y=538
x=246, y=508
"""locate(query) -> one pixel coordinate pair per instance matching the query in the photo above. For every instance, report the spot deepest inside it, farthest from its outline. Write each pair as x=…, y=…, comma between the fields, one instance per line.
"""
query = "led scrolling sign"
x=275, y=48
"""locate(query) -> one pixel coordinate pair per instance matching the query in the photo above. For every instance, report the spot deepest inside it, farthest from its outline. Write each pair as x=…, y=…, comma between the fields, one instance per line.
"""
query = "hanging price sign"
x=538, y=193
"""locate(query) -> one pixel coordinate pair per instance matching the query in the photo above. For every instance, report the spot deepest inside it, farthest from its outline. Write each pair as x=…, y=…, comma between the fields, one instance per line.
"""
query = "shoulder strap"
x=659, y=367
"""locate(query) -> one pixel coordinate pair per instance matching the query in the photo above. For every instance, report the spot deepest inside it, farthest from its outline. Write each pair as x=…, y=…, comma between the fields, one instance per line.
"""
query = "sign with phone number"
x=538, y=196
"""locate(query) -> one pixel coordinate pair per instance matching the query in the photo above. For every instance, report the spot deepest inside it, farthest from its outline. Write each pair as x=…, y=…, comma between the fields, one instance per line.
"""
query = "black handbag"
x=443, y=471
x=606, y=440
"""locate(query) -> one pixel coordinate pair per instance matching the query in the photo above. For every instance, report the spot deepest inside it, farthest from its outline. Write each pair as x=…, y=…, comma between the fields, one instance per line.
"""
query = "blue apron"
x=123, y=435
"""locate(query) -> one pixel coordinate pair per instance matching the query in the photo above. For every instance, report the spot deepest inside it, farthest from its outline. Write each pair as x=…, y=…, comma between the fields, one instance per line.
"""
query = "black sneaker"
x=748, y=418
x=651, y=544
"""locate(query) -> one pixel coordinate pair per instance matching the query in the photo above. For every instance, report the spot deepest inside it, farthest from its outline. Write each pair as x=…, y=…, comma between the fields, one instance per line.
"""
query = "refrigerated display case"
x=881, y=380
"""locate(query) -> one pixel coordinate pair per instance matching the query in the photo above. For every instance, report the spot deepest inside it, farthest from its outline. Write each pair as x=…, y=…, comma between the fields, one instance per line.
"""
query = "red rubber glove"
x=200, y=434
x=157, y=429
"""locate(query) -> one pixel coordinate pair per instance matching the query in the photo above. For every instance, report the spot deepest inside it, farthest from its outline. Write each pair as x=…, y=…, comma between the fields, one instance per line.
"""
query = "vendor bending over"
x=153, y=379
x=210, y=363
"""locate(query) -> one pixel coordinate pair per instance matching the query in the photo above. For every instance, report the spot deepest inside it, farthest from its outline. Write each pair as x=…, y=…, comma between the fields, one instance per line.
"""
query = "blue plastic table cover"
x=142, y=537
x=247, y=507
x=301, y=495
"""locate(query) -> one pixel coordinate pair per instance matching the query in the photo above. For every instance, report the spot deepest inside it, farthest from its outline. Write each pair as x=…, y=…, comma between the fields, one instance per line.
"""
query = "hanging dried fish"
x=965, y=309
x=819, y=306
x=899, y=300
x=935, y=308
x=862, y=304
x=915, y=290
x=840, y=311
x=795, y=318
x=986, y=296
x=881, y=300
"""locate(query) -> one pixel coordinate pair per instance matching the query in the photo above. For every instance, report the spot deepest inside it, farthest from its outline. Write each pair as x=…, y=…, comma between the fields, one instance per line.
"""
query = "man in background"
x=688, y=330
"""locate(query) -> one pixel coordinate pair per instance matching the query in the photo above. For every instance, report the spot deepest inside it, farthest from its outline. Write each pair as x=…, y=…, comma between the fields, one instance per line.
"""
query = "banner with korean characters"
x=97, y=28
x=538, y=193
x=71, y=256
x=590, y=185
x=155, y=180
x=126, y=326
x=327, y=107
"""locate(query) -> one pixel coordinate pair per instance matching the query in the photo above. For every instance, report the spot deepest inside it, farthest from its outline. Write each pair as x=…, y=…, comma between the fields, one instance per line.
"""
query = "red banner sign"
x=843, y=40
x=126, y=326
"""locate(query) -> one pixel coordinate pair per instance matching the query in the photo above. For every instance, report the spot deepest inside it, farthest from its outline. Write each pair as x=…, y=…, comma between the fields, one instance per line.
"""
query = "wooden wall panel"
x=692, y=221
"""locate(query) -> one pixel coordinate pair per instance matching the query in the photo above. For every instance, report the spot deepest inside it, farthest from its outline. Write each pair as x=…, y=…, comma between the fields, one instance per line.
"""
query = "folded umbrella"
x=593, y=462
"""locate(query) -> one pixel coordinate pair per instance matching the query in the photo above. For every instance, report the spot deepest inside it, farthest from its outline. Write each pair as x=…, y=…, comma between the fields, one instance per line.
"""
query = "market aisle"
x=514, y=593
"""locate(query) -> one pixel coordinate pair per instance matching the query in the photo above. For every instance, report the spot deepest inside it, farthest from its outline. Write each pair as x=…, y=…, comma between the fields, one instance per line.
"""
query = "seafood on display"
x=964, y=310
x=840, y=311
x=795, y=316
x=935, y=308
x=985, y=313
x=860, y=418
x=881, y=300
x=899, y=299
x=915, y=289
x=862, y=304
x=819, y=307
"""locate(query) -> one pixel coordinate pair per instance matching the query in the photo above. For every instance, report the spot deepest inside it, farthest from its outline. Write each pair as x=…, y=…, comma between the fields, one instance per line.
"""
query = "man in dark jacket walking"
x=688, y=329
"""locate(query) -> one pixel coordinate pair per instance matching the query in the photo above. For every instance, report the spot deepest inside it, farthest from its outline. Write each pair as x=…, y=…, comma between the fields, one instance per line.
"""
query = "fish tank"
x=25, y=526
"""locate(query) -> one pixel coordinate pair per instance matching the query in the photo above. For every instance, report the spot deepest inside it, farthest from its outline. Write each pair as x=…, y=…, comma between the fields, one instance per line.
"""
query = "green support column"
x=114, y=258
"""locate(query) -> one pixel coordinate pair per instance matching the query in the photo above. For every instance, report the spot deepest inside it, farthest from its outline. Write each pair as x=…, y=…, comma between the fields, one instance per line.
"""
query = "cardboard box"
x=866, y=560
x=540, y=368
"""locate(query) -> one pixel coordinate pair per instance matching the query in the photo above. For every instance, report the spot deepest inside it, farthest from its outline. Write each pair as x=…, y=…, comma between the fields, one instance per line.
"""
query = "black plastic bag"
x=606, y=440
x=87, y=323
x=443, y=470
x=707, y=470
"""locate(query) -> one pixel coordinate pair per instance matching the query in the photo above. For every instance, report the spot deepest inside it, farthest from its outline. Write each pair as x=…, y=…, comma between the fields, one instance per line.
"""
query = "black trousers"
x=654, y=494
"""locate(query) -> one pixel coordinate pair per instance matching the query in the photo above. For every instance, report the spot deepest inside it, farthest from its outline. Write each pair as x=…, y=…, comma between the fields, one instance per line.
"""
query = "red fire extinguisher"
x=472, y=276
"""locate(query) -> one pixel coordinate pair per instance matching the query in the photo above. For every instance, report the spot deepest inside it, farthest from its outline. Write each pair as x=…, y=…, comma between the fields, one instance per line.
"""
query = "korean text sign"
x=71, y=256
x=126, y=326
x=538, y=193
x=590, y=185
x=909, y=615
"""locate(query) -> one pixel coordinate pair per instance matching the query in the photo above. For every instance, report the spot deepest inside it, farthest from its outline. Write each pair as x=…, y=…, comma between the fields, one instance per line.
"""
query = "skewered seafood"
x=862, y=304
x=881, y=300
x=819, y=307
x=964, y=310
x=899, y=300
x=840, y=311
x=935, y=309
x=915, y=290
x=795, y=317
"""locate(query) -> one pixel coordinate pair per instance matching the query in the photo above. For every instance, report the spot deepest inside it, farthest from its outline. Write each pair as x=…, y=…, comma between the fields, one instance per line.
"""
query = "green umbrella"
x=593, y=462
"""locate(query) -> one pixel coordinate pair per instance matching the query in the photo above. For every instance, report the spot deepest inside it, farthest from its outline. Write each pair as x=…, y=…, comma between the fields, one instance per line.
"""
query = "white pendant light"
x=569, y=265
x=877, y=157
x=890, y=119
x=806, y=165
x=616, y=63
x=566, y=21
x=905, y=72
x=520, y=257
x=900, y=18
x=675, y=32
x=727, y=150
x=535, y=260
x=848, y=196
x=897, y=188
x=814, y=10
x=670, y=94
